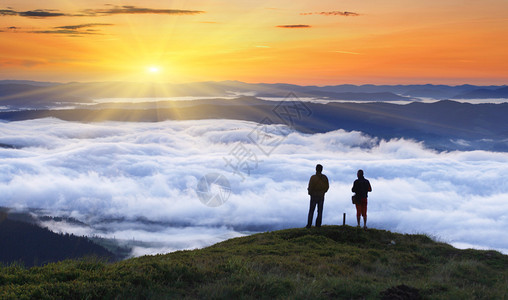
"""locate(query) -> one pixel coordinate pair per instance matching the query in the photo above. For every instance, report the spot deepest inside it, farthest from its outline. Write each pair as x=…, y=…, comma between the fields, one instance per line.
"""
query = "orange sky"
x=303, y=42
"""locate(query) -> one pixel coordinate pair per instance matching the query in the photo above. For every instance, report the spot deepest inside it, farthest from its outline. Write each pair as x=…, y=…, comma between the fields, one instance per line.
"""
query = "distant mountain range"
x=30, y=94
x=484, y=94
x=23, y=241
x=443, y=125
x=28, y=82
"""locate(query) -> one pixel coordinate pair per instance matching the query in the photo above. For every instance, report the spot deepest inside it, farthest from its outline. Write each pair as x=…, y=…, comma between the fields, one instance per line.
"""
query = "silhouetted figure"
x=318, y=186
x=361, y=187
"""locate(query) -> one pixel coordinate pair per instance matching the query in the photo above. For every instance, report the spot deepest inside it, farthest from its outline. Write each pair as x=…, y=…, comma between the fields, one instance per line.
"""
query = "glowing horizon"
x=322, y=43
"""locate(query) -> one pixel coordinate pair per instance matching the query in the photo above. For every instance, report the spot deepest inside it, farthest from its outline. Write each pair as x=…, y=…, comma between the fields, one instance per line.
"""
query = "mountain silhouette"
x=437, y=124
x=31, y=245
x=484, y=94
x=37, y=95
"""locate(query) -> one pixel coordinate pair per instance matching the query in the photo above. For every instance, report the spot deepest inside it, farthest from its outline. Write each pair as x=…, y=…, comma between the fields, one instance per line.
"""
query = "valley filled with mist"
x=142, y=169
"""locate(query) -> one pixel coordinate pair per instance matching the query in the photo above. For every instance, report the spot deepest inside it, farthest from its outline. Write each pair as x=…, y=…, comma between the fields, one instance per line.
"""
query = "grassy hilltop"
x=319, y=263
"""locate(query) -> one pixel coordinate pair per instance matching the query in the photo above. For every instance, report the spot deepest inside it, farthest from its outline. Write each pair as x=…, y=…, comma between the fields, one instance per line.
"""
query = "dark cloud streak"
x=8, y=12
x=127, y=9
x=74, y=30
x=115, y=10
x=64, y=31
x=333, y=13
x=76, y=27
x=10, y=29
x=294, y=26
x=40, y=13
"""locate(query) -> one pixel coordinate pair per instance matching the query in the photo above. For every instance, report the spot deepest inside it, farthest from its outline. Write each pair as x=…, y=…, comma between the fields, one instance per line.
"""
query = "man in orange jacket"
x=318, y=186
x=361, y=187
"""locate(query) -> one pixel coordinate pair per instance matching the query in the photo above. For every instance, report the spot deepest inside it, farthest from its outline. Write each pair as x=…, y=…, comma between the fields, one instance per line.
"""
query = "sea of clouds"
x=141, y=181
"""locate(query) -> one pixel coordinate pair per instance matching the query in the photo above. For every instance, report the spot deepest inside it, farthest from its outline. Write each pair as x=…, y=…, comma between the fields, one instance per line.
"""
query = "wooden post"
x=344, y=219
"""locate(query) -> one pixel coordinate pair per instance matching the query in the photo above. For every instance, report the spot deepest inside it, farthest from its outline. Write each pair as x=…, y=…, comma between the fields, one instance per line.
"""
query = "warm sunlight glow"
x=153, y=69
x=312, y=42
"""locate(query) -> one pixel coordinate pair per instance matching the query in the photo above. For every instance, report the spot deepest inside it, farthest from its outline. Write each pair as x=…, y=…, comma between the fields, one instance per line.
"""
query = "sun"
x=151, y=73
x=153, y=69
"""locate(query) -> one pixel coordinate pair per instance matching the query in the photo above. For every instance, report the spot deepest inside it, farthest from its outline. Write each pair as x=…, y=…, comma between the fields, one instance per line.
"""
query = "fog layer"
x=141, y=181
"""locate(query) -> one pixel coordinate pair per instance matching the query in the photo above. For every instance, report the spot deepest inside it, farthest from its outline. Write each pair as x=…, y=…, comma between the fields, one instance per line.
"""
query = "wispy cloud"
x=8, y=12
x=346, y=52
x=66, y=32
x=41, y=13
x=128, y=9
x=38, y=13
x=80, y=26
x=85, y=29
x=71, y=30
x=332, y=13
x=74, y=30
x=61, y=31
x=114, y=10
x=294, y=26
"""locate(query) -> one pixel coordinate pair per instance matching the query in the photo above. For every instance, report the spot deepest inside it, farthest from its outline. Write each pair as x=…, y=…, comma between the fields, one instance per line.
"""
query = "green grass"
x=330, y=262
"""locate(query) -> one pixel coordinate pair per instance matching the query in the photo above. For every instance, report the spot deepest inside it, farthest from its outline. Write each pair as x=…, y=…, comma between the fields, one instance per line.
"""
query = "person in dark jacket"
x=318, y=186
x=361, y=187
